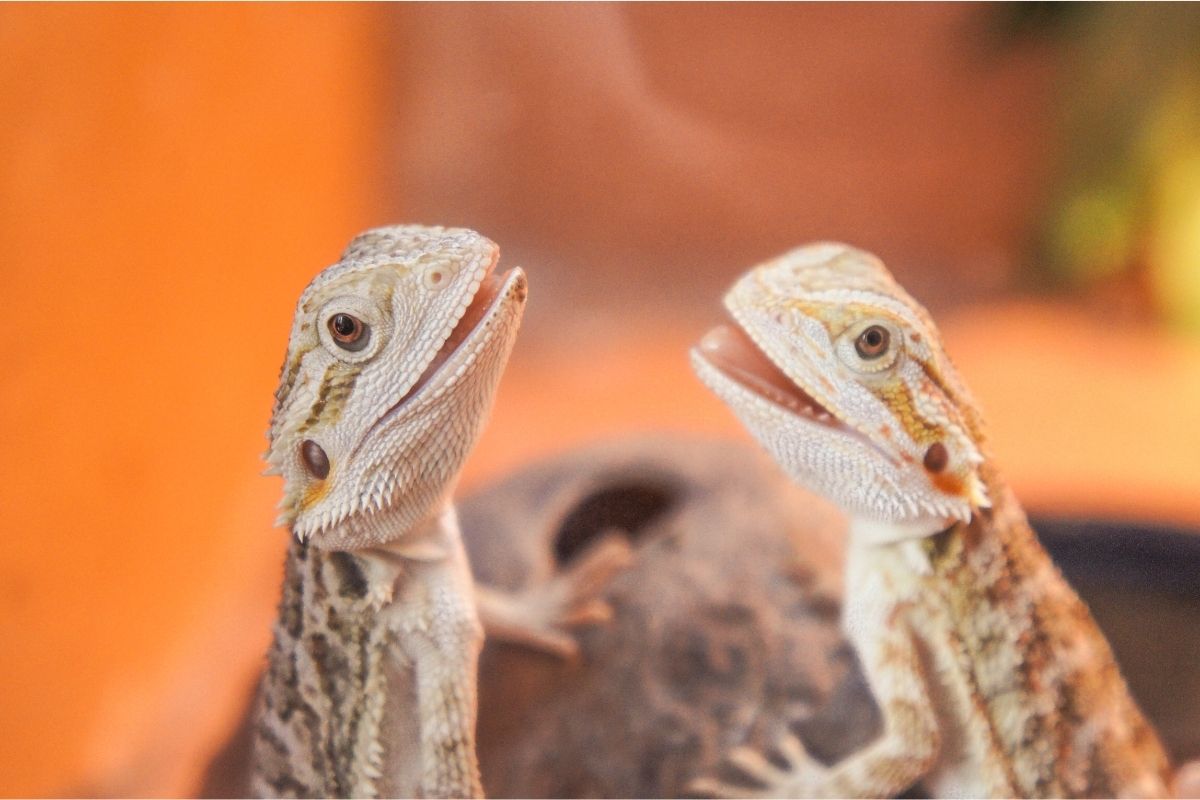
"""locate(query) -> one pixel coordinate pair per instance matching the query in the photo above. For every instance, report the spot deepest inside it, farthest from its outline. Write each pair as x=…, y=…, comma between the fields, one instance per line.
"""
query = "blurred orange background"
x=172, y=176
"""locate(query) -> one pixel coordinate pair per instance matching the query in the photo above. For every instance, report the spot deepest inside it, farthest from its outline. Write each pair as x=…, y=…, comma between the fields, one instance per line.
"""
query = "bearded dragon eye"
x=349, y=333
x=873, y=342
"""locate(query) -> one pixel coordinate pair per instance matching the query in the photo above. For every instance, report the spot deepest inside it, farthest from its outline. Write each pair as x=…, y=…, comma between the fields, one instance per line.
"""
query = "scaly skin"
x=991, y=676
x=393, y=362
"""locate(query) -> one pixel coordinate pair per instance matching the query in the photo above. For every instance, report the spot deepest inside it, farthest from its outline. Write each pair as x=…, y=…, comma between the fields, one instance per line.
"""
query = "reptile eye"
x=873, y=342
x=349, y=332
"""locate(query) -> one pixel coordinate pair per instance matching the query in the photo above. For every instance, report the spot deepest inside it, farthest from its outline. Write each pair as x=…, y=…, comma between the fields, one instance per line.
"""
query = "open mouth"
x=485, y=297
x=731, y=350
x=488, y=296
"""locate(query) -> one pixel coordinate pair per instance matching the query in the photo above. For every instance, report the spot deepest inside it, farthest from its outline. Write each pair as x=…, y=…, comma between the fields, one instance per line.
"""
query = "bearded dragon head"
x=393, y=362
x=842, y=377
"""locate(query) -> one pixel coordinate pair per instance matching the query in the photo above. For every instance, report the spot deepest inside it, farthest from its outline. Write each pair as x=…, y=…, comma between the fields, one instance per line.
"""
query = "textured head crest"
x=392, y=365
x=841, y=375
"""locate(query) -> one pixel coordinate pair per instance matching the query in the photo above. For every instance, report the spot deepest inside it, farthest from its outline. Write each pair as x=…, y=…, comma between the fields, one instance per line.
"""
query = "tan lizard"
x=990, y=674
x=392, y=365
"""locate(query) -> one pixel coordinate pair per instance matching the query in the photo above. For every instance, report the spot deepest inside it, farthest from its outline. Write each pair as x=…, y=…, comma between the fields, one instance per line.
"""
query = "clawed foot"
x=801, y=776
x=541, y=616
x=1187, y=780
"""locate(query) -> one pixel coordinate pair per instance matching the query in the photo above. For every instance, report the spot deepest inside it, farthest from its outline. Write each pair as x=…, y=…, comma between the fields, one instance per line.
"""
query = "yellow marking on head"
x=897, y=396
x=947, y=483
x=834, y=318
x=313, y=494
x=957, y=395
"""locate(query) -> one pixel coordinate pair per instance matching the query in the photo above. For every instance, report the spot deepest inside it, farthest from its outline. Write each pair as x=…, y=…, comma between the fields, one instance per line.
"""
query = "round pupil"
x=349, y=332
x=873, y=342
x=343, y=325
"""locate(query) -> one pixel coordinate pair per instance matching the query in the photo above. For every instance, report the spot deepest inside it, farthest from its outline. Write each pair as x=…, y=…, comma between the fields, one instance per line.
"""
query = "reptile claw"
x=593, y=612
x=540, y=616
x=755, y=765
x=800, y=776
x=707, y=787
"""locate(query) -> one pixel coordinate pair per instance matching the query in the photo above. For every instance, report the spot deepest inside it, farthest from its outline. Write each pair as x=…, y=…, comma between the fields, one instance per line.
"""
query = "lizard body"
x=392, y=365
x=990, y=674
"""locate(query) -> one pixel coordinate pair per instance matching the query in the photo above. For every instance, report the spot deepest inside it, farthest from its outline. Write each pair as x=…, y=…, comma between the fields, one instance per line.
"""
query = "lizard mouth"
x=493, y=293
x=490, y=288
x=731, y=350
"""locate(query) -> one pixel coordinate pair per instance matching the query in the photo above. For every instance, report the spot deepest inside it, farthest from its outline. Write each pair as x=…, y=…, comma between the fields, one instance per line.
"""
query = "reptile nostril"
x=314, y=458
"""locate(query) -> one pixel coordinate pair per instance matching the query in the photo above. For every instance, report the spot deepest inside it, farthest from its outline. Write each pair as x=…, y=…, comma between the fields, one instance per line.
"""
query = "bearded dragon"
x=991, y=677
x=392, y=366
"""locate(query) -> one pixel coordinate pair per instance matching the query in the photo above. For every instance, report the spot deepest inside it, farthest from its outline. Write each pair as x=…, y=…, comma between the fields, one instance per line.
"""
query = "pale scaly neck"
x=434, y=538
x=865, y=532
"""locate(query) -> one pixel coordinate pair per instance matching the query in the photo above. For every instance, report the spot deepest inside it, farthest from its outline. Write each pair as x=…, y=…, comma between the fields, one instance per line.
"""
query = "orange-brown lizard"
x=991, y=676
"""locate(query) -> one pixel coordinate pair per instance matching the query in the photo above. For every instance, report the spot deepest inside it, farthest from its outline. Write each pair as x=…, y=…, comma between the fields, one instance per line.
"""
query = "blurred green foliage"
x=1127, y=194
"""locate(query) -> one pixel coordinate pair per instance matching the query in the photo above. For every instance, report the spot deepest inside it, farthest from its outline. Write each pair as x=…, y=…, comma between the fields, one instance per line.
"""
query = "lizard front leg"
x=538, y=617
x=904, y=752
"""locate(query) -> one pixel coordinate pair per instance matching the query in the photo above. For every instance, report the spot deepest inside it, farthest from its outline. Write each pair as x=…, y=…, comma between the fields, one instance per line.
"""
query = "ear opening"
x=628, y=506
